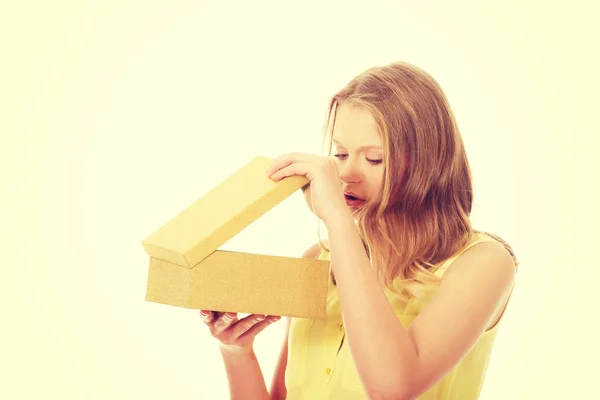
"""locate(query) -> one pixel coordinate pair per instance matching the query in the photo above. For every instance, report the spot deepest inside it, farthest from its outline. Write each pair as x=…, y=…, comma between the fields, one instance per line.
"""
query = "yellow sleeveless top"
x=320, y=365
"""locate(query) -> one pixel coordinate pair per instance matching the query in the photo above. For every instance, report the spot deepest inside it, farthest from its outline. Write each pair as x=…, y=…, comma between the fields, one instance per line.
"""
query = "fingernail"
x=260, y=317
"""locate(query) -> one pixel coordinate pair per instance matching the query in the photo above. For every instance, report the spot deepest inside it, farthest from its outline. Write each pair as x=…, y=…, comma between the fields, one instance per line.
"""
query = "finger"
x=293, y=169
x=223, y=322
x=245, y=324
x=286, y=160
x=206, y=315
x=280, y=162
x=257, y=328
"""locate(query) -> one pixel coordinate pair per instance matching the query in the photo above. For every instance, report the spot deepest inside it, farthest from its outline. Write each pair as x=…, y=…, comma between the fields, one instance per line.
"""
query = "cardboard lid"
x=220, y=214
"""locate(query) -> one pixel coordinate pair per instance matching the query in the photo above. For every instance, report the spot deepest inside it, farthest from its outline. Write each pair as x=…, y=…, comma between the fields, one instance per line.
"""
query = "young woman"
x=416, y=294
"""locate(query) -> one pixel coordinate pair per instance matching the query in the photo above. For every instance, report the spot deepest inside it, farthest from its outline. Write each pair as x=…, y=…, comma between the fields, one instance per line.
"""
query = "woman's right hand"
x=236, y=337
x=308, y=196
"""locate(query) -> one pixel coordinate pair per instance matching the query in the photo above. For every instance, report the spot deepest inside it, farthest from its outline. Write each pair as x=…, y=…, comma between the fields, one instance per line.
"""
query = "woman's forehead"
x=355, y=127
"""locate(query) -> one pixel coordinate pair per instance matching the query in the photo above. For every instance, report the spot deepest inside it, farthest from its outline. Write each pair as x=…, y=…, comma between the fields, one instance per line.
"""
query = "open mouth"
x=353, y=201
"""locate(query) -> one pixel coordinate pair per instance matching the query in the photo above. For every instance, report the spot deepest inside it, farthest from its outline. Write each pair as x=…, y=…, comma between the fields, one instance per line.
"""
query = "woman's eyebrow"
x=368, y=147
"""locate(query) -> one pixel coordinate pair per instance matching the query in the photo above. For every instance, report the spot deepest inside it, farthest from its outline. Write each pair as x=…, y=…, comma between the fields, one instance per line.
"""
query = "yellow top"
x=320, y=365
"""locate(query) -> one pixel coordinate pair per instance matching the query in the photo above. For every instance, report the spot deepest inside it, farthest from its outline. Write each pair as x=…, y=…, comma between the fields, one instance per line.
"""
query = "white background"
x=117, y=115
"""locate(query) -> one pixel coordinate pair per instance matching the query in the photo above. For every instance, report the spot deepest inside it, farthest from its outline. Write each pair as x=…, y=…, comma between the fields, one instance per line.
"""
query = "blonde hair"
x=421, y=215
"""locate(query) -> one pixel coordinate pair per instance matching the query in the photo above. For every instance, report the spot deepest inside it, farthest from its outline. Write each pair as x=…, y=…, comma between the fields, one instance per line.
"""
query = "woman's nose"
x=349, y=171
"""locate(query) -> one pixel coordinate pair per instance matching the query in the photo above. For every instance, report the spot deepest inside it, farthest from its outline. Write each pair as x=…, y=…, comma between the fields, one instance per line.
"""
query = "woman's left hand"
x=327, y=196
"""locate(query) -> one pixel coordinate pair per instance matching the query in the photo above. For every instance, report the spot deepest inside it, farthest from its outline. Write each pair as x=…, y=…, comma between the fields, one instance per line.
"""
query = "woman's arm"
x=245, y=377
x=278, y=389
x=394, y=362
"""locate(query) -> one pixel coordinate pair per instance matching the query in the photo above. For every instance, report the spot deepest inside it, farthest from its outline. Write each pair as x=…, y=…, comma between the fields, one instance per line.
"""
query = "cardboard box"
x=187, y=269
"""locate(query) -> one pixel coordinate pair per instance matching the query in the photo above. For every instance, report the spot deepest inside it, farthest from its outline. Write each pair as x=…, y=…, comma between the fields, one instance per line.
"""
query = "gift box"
x=188, y=270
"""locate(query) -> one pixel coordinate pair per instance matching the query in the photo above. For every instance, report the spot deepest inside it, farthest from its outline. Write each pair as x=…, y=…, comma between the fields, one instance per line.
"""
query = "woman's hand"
x=307, y=197
x=326, y=194
x=236, y=336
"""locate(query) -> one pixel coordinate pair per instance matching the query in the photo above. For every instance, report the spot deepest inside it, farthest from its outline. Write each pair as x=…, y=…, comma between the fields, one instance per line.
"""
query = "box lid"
x=220, y=214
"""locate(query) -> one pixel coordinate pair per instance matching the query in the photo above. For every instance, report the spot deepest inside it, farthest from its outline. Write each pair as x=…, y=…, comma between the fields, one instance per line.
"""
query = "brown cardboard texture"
x=187, y=270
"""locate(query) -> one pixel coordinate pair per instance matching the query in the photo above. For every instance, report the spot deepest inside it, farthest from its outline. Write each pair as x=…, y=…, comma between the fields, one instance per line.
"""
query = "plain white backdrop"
x=120, y=114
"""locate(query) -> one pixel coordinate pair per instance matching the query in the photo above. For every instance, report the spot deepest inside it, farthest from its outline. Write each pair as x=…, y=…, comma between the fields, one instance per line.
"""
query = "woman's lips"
x=353, y=202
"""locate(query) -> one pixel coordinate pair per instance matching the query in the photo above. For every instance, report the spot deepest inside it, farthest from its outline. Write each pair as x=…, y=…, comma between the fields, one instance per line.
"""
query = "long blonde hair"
x=421, y=215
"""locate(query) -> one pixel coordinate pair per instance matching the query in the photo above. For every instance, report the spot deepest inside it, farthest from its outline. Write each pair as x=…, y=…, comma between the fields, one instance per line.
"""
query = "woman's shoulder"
x=482, y=236
x=479, y=244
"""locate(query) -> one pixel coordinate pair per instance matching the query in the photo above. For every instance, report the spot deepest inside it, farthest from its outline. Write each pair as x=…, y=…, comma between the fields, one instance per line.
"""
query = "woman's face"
x=359, y=153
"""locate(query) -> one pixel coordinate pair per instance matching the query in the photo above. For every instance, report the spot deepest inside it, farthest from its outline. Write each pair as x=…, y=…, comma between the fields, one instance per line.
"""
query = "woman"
x=416, y=294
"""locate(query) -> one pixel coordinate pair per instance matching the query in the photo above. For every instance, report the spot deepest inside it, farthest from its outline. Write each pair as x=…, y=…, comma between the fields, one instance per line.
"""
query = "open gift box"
x=187, y=269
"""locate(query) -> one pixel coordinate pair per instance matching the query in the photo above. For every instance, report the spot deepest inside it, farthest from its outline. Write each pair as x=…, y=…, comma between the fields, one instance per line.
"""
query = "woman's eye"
x=343, y=156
